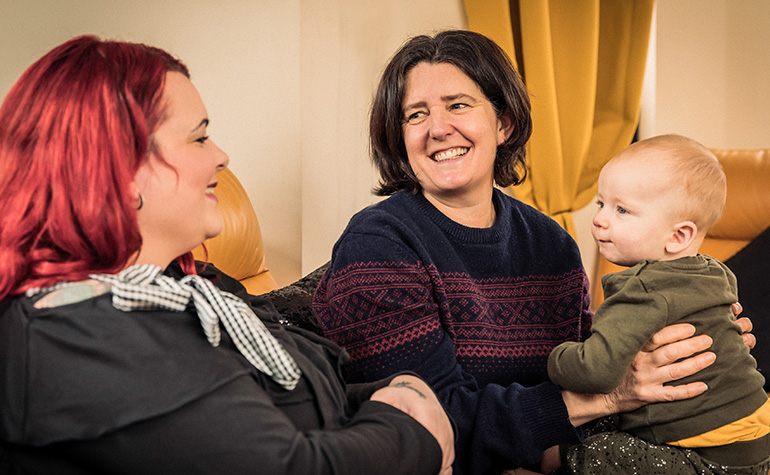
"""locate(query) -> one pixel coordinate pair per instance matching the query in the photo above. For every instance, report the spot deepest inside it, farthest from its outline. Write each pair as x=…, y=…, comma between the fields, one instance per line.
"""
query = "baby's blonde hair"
x=694, y=169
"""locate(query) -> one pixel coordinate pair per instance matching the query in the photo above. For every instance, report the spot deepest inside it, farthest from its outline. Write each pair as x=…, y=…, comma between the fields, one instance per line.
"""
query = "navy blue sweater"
x=473, y=311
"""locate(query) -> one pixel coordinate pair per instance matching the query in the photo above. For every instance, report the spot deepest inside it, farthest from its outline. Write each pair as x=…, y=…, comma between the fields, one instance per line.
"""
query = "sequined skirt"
x=615, y=452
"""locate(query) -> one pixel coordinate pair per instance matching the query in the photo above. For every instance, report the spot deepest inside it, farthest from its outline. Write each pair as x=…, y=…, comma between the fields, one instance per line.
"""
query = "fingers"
x=667, y=357
x=749, y=339
x=746, y=327
x=737, y=309
x=669, y=334
x=685, y=391
x=655, y=390
x=745, y=324
x=689, y=366
x=680, y=349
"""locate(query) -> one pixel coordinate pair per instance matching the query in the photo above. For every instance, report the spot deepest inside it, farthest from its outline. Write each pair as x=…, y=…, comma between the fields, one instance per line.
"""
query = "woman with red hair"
x=116, y=356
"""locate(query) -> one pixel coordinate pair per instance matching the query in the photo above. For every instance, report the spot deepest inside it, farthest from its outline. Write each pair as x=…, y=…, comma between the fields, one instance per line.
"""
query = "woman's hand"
x=413, y=396
x=657, y=363
x=551, y=459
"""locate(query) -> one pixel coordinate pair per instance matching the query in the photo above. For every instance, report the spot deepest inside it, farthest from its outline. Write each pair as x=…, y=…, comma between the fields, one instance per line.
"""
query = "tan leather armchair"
x=746, y=214
x=238, y=251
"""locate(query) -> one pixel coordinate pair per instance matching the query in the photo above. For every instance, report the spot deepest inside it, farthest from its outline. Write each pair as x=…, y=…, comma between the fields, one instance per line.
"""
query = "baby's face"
x=634, y=219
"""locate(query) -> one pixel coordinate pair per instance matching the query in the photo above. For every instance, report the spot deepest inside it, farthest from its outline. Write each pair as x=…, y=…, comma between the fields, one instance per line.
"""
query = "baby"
x=657, y=198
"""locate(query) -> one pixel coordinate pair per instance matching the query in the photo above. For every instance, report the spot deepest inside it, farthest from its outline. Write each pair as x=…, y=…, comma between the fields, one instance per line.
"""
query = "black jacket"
x=87, y=388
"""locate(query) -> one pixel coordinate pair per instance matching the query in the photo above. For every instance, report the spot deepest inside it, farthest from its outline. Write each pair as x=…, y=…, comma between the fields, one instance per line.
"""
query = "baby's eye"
x=600, y=204
x=622, y=210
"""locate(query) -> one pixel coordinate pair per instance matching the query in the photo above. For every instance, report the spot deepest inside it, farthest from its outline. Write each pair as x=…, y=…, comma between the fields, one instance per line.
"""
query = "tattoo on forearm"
x=407, y=385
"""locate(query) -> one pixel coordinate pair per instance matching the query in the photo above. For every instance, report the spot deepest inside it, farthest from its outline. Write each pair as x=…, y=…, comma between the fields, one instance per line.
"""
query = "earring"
x=141, y=202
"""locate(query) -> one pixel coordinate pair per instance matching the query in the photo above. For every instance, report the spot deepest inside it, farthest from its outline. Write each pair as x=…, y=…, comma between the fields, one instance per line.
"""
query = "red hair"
x=74, y=129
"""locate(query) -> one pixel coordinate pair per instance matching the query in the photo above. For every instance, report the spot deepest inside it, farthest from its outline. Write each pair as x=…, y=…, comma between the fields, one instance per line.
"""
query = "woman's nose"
x=439, y=124
x=223, y=159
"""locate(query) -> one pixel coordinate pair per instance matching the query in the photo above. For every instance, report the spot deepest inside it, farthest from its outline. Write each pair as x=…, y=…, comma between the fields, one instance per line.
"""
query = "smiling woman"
x=118, y=353
x=462, y=284
x=178, y=179
x=492, y=80
x=451, y=133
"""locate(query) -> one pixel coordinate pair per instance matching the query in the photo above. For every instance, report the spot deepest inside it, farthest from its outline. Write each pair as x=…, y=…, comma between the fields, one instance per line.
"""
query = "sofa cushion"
x=751, y=266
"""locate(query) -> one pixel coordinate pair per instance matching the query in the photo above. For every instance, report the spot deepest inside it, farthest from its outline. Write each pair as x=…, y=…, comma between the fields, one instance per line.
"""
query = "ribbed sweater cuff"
x=546, y=414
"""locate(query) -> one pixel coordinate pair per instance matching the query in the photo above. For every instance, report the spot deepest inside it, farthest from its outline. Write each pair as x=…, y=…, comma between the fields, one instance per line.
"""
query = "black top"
x=87, y=388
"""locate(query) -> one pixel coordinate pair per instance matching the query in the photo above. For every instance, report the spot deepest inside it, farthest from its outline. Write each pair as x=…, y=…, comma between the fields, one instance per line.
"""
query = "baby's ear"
x=682, y=237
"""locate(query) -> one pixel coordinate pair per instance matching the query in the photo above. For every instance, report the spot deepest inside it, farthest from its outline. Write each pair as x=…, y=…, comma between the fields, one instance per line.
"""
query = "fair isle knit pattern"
x=503, y=329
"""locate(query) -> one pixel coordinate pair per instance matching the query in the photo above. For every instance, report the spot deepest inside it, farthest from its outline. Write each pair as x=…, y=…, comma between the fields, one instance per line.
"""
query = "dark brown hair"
x=482, y=61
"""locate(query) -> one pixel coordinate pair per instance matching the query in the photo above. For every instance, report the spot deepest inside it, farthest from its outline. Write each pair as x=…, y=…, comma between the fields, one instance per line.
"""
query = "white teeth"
x=450, y=154
x=209, y=191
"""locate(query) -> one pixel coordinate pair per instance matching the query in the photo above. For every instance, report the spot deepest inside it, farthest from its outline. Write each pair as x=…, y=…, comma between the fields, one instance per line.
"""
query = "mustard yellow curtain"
x=583, y=63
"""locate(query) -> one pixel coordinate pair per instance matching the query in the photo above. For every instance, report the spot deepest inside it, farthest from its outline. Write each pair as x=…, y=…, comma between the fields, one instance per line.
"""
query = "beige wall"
x=713, y=71
x=288, y=85
x=708, y=77
x=345, y=45
x=244, y=57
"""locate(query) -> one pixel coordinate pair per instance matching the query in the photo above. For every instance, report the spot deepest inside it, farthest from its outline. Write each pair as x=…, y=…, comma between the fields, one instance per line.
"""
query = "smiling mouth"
x=449, y=154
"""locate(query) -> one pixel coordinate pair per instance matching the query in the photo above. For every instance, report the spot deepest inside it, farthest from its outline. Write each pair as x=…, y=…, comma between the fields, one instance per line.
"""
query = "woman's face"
x=451, y=133
x=178, y=178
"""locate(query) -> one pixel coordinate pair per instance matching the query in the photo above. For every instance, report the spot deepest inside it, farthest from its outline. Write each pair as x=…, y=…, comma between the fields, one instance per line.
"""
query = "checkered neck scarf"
x=144, y=287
